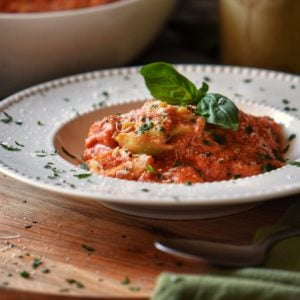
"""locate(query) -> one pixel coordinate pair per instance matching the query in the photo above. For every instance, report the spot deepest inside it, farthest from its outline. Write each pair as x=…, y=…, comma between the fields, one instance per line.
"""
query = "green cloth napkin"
x=277, y=279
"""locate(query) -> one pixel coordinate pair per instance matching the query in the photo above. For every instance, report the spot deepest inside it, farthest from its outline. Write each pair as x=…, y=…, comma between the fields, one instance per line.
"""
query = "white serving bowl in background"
x=35, y=47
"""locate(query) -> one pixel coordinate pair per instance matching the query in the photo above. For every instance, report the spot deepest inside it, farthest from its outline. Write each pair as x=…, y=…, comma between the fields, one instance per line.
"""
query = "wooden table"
x=77, y=247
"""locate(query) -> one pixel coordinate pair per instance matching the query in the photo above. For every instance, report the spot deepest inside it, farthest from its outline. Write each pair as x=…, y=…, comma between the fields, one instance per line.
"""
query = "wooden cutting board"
x=77, y=247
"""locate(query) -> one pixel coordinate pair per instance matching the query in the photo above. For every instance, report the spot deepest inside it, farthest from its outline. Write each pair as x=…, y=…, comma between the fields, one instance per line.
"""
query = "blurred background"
x=190, y=36
x=254, y=33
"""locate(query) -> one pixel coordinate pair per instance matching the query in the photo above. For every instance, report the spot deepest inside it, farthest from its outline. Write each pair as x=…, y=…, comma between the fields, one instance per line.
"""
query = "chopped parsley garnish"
x=285, y=101
x=291, y=137
x=105, y=94
x=188, y=183
x=294, y=163
x=145, y=190
x=25, y=274
x=247, y=80
x=19, y=144
x=125, y=280
x=146, y=126
x=267, y=168
x=134, y=288
x=71, y=185
x=76, y=112
x=9, y=147
x=150, y=169
x=40, y=123
x=40, y=153
x=82, y=175
x=36, y=263
x=45, y=270
x=55, y=171
x=88, y=248
x=99, y=104
x=7, y=118
x=75, y=282
x=84, y=166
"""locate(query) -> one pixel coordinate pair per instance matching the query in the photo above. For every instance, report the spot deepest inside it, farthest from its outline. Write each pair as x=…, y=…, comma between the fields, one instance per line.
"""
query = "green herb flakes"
x=7, y=147
x=71, y=185
x=45, y=270
x=150, y=169
x=294, y=163
x=134, y=288
x=82, y=175
x=7, y=118
x=88, y=248
x=125, y=280
x=25, y=274
x=36, y=263
x=285, y=101
x=84, y=166
x=291, y=137
x=146, y=126
x=40, y=123
x=19, y=144
x=40, y=153
x=267, y=168
x=75, y=282
x=105, y=94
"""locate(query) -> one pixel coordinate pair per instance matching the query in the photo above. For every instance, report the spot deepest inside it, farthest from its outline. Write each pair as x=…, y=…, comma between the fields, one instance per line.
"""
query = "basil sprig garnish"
x=167, y=84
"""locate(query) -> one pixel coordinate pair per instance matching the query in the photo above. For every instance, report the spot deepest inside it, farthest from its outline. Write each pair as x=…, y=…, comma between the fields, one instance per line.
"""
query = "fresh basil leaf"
x=203, y=90
x=166, y=84
x=219, y=110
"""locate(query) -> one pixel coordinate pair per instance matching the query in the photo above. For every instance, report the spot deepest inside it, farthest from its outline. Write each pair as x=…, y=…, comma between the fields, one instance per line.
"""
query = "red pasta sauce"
x=31, y=6
x=170, y=144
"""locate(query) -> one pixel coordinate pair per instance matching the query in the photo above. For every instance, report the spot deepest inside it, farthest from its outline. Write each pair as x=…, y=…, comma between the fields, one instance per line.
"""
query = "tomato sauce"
x=31, y=6
x=170, y=144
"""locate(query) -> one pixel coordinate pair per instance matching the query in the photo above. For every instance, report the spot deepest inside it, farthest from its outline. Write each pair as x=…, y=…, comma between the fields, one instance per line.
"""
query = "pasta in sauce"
x=166, y=143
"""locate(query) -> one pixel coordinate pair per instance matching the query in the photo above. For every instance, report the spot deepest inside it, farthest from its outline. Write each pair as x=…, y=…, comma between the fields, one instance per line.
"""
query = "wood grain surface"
x=76, y=247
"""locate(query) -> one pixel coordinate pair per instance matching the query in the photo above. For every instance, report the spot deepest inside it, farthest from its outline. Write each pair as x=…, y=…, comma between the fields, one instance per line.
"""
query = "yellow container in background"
x=261, y=33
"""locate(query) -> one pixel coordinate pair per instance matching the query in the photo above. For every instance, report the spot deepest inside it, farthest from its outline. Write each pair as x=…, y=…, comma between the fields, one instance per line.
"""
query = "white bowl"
x=35, y=47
